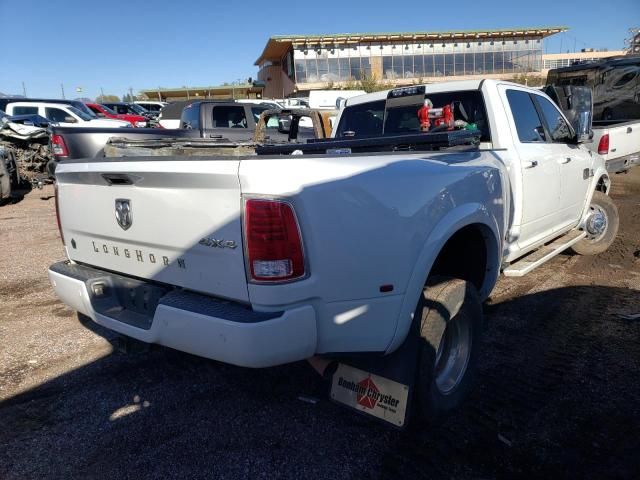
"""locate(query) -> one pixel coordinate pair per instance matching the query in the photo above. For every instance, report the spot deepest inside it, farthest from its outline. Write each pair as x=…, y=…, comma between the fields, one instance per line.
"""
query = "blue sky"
x=144, y=44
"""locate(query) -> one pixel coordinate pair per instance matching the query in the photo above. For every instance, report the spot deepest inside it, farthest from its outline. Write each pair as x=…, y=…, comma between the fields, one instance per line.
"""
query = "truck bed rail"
x=427, y=141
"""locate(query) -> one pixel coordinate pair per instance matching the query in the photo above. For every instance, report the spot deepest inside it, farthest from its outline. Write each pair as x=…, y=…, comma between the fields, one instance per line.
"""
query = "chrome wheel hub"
x=596, y=223
x=452, y=357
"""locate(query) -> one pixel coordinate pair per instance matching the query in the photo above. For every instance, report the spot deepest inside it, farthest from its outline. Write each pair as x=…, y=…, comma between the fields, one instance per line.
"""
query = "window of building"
x=525, y=116
x=229, y=117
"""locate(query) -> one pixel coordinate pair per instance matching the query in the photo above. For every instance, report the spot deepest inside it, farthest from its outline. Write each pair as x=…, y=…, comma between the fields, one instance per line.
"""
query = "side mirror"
x=69, y=119
x=576, y=102
x=284, y=125
x=582, y=126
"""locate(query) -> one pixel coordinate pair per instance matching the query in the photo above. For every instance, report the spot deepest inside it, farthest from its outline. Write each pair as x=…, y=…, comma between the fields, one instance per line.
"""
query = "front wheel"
x=601, y=226
x=450, y=316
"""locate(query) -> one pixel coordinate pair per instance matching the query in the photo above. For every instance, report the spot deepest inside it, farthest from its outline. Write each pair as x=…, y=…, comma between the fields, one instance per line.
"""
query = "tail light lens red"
x=603, y=145
x=273, y=242
x=55, y=186
x=58, y=147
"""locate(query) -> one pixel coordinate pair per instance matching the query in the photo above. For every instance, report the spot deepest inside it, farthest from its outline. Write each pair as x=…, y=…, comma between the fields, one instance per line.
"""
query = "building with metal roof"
x=295, y=64
x=245, y=90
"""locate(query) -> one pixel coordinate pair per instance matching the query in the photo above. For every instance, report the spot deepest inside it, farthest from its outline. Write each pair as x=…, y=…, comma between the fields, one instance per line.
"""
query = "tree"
x=529, y=79
x=368, y=83
x=107, y=98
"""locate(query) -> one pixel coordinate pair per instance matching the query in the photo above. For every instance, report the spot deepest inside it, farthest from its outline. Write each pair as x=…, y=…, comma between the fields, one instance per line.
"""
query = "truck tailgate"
x=175, y=222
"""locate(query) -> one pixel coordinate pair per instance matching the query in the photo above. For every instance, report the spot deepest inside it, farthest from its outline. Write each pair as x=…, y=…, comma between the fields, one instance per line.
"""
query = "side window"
x=525, y=116
x=364, y=120
x=121, y=109
x=229, y=117
x=624, y=80
x=97, y=111
x=25, y=110
x=272, y=122
x=558, y=127
x=191, y=117
x=56, y=115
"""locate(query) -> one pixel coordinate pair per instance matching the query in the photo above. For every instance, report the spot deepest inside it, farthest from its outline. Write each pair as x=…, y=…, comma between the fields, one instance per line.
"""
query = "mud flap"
x=379, y=386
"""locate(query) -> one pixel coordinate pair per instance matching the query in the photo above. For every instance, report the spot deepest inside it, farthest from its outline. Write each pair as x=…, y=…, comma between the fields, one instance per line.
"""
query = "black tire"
x=596, y=243
x=447, y=306
x=51, y=169
x=12, y=168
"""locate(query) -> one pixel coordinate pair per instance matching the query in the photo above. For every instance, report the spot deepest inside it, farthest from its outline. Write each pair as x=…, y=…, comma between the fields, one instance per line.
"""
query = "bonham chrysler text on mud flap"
x=369, y=253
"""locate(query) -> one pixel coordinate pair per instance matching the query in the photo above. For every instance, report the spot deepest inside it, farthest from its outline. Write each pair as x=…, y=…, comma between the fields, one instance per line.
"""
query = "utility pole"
x=62, y=88
x=131, y=94
x=24, y=90
x=101, y=94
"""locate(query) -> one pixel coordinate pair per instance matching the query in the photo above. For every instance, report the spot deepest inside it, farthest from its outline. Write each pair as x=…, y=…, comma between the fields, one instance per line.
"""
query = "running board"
x=543, y=254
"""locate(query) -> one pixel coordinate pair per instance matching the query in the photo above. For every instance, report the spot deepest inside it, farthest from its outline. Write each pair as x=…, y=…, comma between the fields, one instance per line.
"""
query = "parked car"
x=123, y=108
x=63, y=115
x=373, y=250
x=151, y=106
x=31, y=120
x=169, y=116
x=105, y=112
x=74, y=103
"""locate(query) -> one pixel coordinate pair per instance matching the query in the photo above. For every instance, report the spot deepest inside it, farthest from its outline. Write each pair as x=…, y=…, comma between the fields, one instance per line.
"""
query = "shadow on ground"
x=557, y=397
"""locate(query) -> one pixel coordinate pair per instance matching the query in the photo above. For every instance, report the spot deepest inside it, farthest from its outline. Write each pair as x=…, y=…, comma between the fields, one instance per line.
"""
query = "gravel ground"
x=558, y=394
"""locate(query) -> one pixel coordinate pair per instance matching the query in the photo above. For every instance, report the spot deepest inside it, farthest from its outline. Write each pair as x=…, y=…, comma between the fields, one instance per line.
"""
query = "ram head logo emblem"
x=124, y=215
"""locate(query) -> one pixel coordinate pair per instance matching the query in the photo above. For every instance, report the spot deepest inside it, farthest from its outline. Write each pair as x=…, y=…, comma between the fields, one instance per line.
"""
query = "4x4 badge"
x=124, y=216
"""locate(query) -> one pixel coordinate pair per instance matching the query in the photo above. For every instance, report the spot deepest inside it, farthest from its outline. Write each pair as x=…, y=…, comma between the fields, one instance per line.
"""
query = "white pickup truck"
x=376, y=247
x=618, y=142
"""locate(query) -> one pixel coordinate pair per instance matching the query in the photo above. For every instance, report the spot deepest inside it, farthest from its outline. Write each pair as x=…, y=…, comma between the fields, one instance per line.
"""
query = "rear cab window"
x=229, y=117
x=375, y=118
x=190, y=118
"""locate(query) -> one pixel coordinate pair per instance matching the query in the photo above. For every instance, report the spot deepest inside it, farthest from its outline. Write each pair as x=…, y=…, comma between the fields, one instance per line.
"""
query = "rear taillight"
x=273, y=241
x=603, y=145
x=55, y=187
x=58, y=147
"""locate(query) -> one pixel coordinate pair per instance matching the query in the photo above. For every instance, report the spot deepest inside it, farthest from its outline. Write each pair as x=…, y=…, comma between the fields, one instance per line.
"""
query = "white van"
x=63, y=115
x=328, y=99
x=151, y=106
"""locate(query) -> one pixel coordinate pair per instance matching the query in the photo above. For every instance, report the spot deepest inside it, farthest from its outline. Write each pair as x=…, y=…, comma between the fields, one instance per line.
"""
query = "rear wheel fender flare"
x=456, y=219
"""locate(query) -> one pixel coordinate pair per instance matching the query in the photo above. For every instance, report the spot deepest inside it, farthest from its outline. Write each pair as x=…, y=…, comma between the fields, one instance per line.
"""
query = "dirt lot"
x=558, y=396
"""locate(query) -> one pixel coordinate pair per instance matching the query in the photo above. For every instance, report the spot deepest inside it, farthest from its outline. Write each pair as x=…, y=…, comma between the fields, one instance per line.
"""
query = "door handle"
x=530, y=164
x=566, y=160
